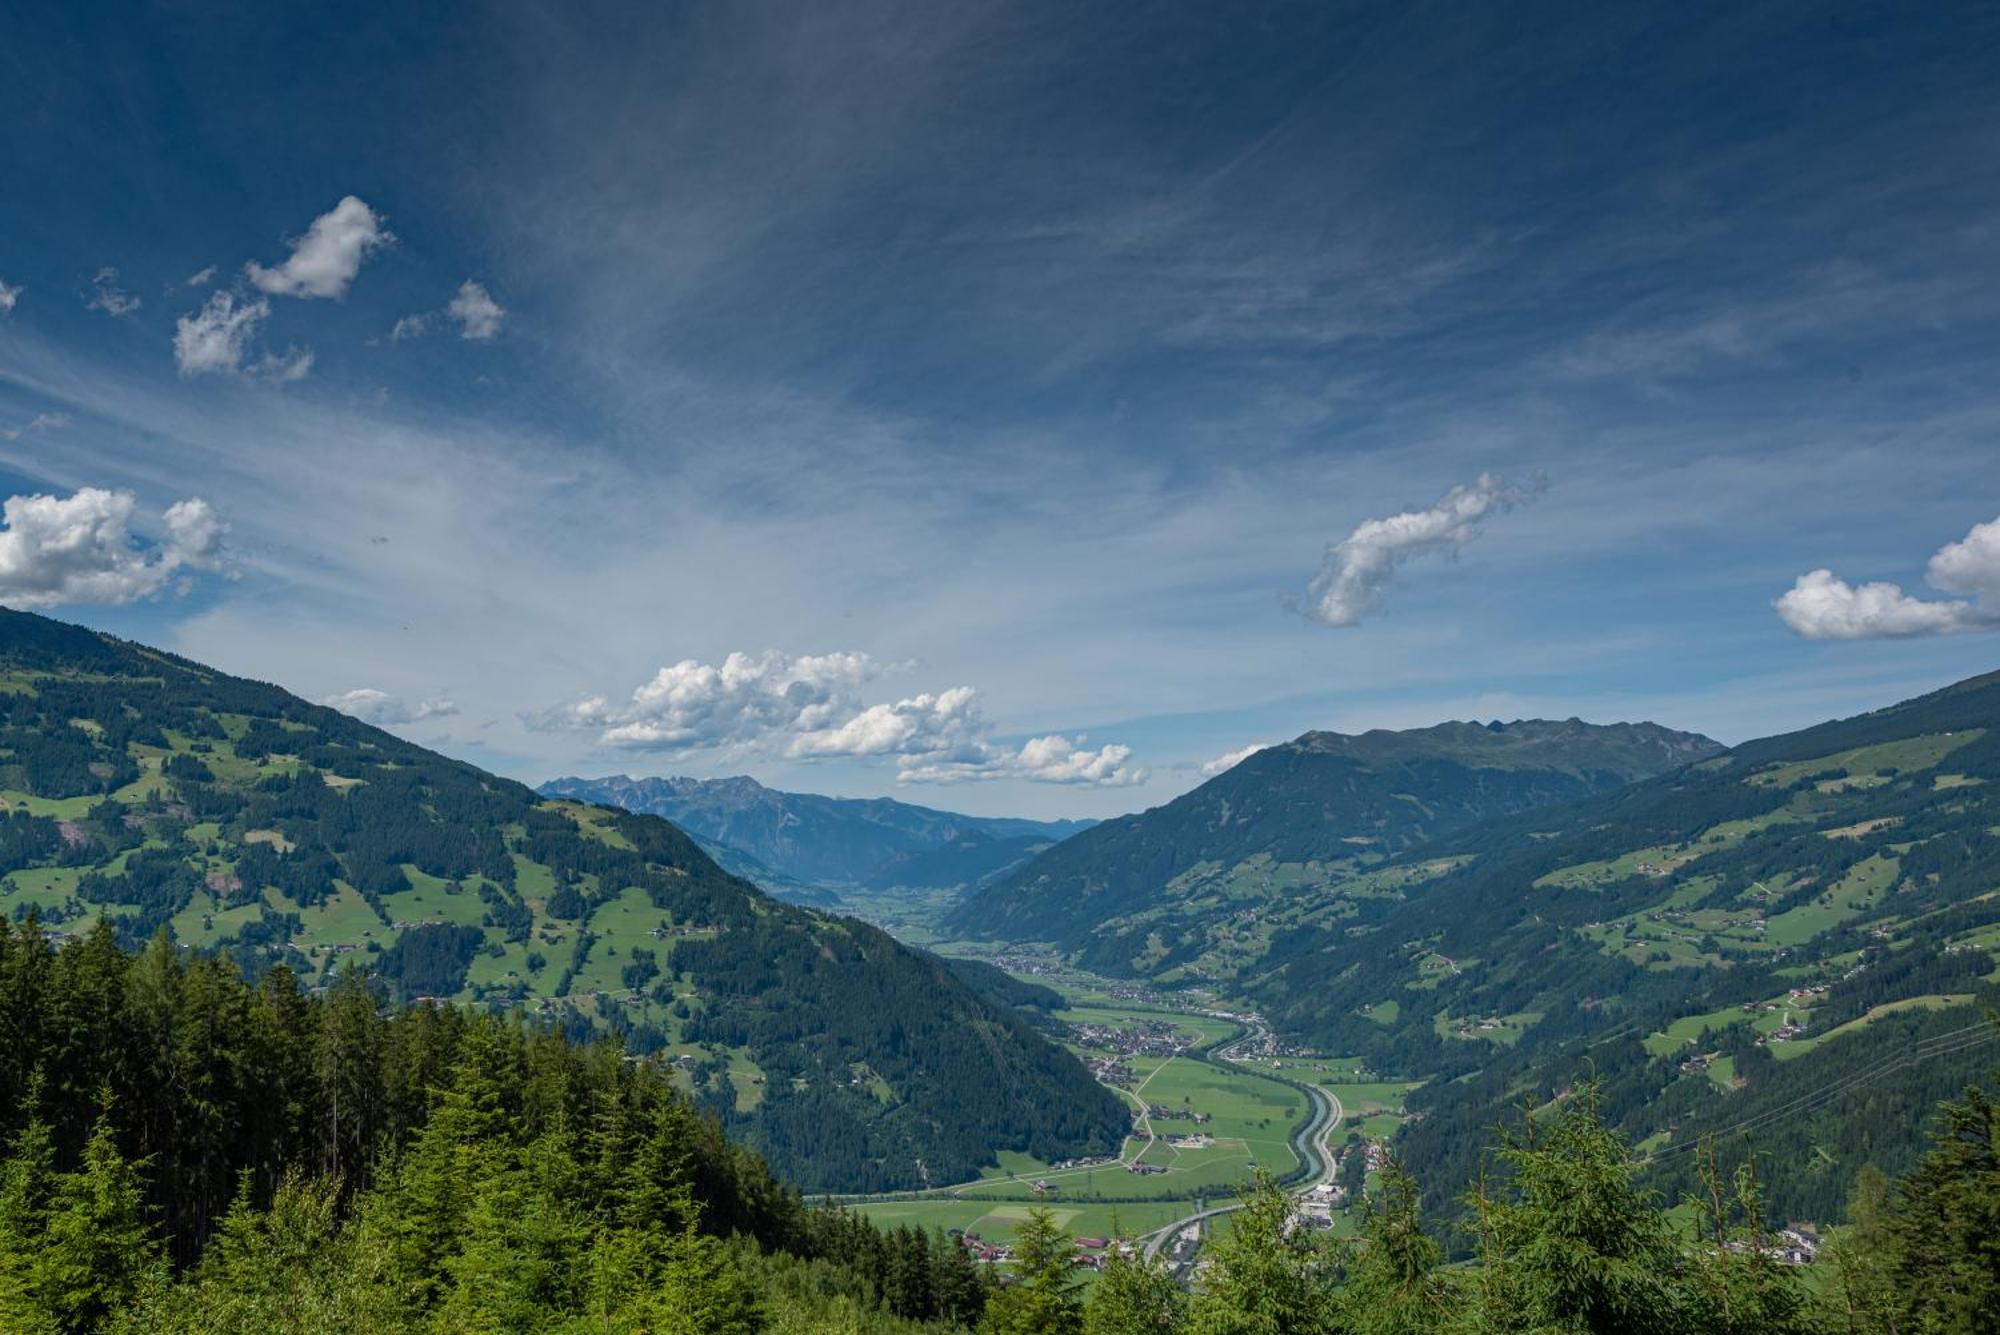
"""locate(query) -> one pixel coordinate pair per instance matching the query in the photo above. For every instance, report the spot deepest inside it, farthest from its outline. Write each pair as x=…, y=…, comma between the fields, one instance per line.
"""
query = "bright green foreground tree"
x=1043, y=1300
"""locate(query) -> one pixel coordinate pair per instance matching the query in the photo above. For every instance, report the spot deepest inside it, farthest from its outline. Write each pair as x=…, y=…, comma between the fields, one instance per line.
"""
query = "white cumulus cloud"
x=8, y=296
x=325, y=260
x=80, y=548
x=478, y=315
x=1357, y=569
x=815, y=707
x=214, y=339
x=107, y=296
x=1231, y=759
x=1822, y=606
x=384, y=710
x=1052, y=759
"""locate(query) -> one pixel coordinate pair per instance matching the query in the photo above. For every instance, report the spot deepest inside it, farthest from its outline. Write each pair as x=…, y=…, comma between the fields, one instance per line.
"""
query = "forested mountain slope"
x=830, y=842
x=1758, y=941
x=162, y=794
x=1198, y=885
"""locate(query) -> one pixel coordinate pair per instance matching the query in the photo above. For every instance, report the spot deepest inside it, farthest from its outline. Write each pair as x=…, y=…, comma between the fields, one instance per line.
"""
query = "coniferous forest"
x=189, y=1151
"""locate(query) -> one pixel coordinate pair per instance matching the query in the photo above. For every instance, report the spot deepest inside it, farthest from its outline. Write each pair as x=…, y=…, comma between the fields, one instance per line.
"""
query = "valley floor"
x=1214, y=1100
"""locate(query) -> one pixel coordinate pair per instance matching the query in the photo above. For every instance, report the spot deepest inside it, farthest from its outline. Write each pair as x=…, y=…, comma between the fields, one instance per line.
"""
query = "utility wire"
x=1939, y=1045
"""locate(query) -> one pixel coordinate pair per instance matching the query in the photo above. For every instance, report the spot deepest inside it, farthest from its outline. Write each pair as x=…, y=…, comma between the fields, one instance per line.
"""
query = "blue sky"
x=995, y=380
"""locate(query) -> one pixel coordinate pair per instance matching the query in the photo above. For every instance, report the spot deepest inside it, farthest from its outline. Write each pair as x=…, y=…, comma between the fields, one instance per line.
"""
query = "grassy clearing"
x=431, y=899
x=996, y=1221
x=1505, y=1030
x=1659, y=860
x=204, y=923
x=61, y=808
x=1853, y=894
x=1906, y=755
x=44, y=887
x=1384, y=1013
x=1690, y=1029
x=1799, y=1047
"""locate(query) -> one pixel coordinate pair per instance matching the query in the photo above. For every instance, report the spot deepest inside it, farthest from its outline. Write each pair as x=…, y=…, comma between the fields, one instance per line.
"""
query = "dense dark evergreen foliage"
x=161, y=1109
x=999, y=986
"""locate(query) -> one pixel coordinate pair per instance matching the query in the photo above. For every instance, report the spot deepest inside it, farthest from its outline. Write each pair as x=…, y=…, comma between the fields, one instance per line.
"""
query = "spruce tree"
x=28, y=1184
x=96, y=1248
x=1860, y=1295
x=1395, y=1283
x=1266, y=1277
x=1043, y=1298
x=1135, y=1296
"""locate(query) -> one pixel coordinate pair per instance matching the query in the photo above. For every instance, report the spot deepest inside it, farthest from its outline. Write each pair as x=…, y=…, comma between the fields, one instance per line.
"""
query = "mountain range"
x=1787, y=944
x=810, y=848
x=1792, y=940
x=1184, y=890
x=168, y=797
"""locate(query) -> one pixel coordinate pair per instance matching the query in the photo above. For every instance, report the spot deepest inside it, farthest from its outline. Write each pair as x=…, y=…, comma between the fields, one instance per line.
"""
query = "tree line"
x=189, y=1152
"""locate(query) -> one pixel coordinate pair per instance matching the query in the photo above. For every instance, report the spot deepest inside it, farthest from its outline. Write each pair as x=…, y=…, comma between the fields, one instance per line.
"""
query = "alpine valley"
x=232, y=816
x=1788, y=944
x=828, y=850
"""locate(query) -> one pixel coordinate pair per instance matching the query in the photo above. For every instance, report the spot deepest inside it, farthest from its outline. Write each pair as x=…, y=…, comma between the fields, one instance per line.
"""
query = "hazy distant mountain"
x=1154, y=890
x=808, y=842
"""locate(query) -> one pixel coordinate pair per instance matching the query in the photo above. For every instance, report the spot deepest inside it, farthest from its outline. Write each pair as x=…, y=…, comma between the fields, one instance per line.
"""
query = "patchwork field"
x=1228, y=1119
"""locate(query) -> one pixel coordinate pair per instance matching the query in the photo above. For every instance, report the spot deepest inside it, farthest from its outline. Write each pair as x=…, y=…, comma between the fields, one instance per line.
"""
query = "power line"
x=1938, y=1045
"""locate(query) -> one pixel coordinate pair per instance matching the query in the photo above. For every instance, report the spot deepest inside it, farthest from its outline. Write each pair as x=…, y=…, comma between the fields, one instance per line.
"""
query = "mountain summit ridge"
x=827, y=843
x=1311, y=811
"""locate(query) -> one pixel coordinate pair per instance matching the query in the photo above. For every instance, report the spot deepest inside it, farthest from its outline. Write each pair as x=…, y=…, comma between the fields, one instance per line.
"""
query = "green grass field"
x=995, y=1221
x=1863, y=885
x=1799, y=1047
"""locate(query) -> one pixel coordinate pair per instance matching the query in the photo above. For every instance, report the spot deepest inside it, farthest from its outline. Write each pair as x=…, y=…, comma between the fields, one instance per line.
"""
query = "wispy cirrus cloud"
x=384, y=710
x=107, y=296
x=39, y=422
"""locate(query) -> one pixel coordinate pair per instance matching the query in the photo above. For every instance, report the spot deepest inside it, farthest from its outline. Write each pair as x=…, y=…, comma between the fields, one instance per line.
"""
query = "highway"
x=1309, y=1142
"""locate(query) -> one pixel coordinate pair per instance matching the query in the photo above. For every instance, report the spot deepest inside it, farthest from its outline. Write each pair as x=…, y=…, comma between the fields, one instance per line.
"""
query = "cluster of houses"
x=1090, y=1252
x=1317, y=1205
x=1109, y=1070
x=1152, y=1038
x=1161, y=1113
x=1797, y=1245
